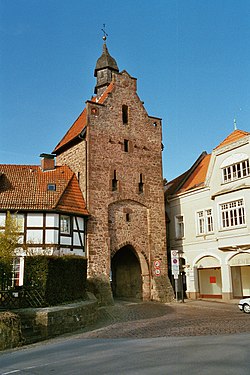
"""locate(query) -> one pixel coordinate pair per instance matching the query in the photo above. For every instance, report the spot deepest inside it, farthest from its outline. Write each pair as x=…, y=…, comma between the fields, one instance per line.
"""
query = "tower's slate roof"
x=105, y=61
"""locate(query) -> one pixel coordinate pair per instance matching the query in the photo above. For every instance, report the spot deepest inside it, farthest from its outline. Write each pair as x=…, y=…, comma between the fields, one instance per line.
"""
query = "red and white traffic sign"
x=157, y=272
x=175, y=263
x=157, y=264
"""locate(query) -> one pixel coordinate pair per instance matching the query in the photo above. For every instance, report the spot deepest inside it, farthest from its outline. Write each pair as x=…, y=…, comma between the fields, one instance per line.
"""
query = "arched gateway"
x=126, y=274
x=129, y=274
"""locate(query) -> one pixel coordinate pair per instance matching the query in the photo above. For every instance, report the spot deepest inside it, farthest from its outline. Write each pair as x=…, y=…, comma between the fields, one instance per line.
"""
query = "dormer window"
x=235, y=167
x=51, y=187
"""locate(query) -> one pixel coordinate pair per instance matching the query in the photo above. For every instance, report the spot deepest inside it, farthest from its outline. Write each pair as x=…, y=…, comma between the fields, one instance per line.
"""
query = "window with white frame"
x=17, y=271
x=179, y=226
x=65, y=224
x=236, y=171
x=205, y=223
x=232, y=214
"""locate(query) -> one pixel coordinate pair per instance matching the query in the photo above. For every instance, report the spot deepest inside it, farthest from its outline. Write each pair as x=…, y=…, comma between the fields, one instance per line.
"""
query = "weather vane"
x=235, y=124
x=104, y=33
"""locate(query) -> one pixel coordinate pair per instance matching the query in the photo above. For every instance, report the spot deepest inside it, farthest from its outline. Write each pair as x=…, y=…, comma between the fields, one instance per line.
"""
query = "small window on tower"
x=125, y=145
x=141, y=184
x=114, y=181
x=125, y=114
x=127, y=217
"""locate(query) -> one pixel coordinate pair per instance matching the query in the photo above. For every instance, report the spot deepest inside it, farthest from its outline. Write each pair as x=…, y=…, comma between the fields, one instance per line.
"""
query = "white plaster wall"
x=195, y=247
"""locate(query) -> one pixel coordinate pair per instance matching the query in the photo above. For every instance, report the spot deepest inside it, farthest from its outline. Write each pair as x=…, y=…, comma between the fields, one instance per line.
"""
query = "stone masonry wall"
x=107, y=228
x=131, y=215
x=75, y=158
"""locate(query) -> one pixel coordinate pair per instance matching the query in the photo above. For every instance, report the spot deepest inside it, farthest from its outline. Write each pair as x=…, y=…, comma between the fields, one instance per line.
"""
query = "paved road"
x=141, y=338
x=192, y=318
x=202, y=355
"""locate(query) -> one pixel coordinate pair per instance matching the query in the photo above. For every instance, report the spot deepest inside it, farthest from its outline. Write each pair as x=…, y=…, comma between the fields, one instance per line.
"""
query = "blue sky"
x=191, y=59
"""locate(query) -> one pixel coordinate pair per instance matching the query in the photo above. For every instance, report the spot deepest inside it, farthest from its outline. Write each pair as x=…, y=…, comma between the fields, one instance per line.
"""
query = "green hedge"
x=58, y=279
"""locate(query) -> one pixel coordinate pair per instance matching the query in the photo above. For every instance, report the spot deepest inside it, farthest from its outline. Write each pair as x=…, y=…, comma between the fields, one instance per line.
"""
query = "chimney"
x=47, y=162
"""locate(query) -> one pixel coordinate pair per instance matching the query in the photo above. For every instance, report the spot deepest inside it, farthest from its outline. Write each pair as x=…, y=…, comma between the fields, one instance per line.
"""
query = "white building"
x=49, y=207
x=208, y=208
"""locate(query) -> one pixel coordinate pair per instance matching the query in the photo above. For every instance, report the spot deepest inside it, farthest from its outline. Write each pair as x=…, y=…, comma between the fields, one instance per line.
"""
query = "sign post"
x=175, y=266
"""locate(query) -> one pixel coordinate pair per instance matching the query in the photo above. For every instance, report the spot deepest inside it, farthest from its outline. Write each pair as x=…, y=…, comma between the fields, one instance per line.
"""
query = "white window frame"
x=205, y=221
x=17, y=272
x=179, y=226
x=65, y=224
x=232, y=214
x=236, y=171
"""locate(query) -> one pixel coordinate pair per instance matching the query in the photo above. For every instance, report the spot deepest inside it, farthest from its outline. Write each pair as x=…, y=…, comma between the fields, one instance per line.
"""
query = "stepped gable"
x=80, y=124
x=25, y=187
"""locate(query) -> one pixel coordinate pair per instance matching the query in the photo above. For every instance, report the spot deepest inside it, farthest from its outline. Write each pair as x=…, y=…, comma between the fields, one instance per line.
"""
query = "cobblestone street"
x=145, y=320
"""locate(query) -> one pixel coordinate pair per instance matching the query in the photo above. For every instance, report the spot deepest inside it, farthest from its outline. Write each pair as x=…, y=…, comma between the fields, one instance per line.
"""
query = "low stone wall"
x=10, y=330
x=44, y=323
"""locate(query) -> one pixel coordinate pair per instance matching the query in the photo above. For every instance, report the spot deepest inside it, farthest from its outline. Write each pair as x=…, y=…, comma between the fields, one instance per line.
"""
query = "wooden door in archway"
x=126, y=274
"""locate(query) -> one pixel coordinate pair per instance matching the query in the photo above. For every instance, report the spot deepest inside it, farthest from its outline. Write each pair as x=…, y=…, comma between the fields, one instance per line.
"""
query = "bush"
x=57, y=279
x=66, y=279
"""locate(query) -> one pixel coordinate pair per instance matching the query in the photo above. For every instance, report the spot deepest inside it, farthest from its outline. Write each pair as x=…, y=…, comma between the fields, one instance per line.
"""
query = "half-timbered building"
x=49, y=207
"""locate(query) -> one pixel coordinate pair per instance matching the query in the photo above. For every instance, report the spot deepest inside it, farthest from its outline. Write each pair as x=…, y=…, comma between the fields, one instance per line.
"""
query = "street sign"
x=175, y=263
x=157, y=263
x=157, y=272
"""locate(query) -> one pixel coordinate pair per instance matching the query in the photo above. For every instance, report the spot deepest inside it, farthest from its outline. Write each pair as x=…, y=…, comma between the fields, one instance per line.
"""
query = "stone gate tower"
x=115, y=149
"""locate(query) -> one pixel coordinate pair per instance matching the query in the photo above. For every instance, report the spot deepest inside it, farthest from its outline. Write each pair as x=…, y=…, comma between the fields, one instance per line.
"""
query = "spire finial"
x=104, y=33
x=235, y=124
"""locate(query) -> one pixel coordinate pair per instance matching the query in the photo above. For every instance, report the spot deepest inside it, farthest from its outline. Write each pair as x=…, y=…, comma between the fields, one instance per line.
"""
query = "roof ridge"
x=242, y=133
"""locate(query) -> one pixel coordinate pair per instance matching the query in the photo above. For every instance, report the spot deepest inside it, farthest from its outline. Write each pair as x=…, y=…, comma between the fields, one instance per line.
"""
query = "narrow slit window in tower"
x=125, y=145
x=114, y=181
x=125, y=114
x=141, y=184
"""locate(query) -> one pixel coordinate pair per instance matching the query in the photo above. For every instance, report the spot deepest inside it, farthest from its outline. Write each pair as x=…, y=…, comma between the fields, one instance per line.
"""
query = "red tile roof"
x=81, y=122
x=195, y=177
x=233, y=137
x=198, y=177
x=25, y=187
